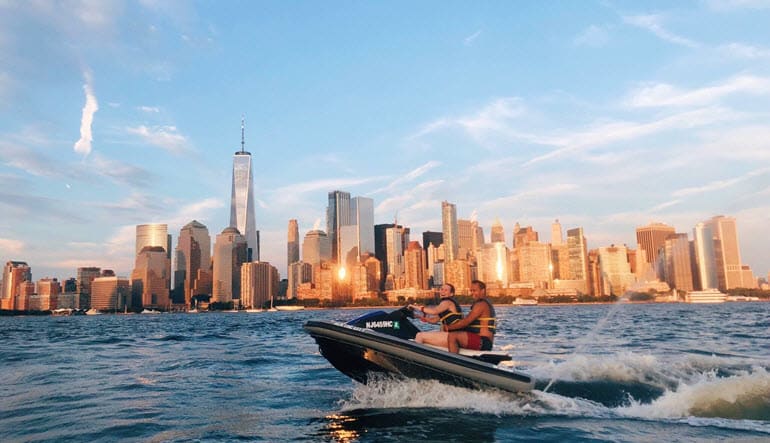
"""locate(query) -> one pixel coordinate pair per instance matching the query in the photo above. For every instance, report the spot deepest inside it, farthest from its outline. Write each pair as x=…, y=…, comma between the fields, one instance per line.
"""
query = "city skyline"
x=606, y=116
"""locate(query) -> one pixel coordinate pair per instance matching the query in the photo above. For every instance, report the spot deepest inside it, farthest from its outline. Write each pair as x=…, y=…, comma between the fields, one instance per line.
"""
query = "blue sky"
x=606, y=115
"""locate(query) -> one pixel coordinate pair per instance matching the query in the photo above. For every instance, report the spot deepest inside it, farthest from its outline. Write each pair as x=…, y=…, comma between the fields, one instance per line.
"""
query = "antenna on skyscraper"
x=243, y=139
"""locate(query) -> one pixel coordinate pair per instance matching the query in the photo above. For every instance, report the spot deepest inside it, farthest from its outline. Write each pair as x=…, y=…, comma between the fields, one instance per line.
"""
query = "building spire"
x=243, y=139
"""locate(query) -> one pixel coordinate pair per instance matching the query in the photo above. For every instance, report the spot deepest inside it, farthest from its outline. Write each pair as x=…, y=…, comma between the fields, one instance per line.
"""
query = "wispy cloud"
x=653, y=24
x=324, y=185
x=468, y=41
x=558, y=189
x=719, y=184
x=164, y=137
x=409, y=176
x=740, y=50
x=607, y=133
x=11, y=246
x=83, y=145
x=592, y=36
x=121, y=172
x=149, y=109
x=662, y=94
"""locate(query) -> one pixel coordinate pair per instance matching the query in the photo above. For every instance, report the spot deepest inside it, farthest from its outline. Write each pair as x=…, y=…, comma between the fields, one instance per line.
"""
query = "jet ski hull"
x=359, y=353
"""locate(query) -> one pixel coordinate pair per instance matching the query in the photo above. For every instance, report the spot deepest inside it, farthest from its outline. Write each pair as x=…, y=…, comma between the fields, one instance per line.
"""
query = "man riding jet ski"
x=381, y=342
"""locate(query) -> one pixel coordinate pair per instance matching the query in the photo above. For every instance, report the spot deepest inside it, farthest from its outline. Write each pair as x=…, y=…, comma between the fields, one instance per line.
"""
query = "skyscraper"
x=556, y=238
x=449, y=230
x=242, y=200
x=229, y=254
x=678, y=262
x=316, y=247
x=193, y=257
x=14, y=273
x=259, y=284
x=705, y=259
x=414, y=266
x=362, y=217
x=497, y=233
x=337, y=216
x=149, y=280
x=727, y=252
x=153, y=234
x=578, y=257
x=292, y=245
x=651, y=239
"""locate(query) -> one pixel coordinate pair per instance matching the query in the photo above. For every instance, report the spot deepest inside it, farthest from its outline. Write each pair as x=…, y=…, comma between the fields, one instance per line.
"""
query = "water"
x=652, y=372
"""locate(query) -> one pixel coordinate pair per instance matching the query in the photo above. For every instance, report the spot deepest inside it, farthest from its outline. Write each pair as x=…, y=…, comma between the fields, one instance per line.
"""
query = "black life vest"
x=447, y=317
x=489, y=322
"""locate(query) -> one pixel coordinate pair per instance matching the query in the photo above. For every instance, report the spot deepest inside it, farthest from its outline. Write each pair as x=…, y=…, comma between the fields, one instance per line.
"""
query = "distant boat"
x=255, y=310
x=93, y=311
x=706, y=296
x=524, y=301
x=289, y=308
x=741, y=298
x=62, y=311
x=150, y=311
x=193, y=311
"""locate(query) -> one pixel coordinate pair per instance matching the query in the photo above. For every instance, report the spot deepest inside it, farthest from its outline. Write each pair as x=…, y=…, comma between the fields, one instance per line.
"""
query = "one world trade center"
x=242, y=201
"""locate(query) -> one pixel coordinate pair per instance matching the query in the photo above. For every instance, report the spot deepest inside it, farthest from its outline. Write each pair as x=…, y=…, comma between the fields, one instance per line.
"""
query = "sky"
x=606, y=115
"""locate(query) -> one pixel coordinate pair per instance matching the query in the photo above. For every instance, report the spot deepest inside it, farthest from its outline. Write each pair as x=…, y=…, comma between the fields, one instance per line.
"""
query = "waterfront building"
x=432, y=238
x=48, y=289
x=522, y=236
x=578, y=256
x=458, y=273
x=155, y=235
x=556, y=238
x=259, y=284
x=316, y=247
x=111, y=293
x=493, y=264
x=449, y=230
x=292, y=243
x=727, y=252
x=651, y=239
x=678, y=262
x=362, y=219
x=193, y=259
x=614, y=270
x=299, y=273
x=373, y=276
x=532, y=260
x=497, y=234
x=466, y=232
x=242, y=215
x=705, y=257
x=337, y=216
x=394, y=241
x=230, y=252
x=149, y=279
x=414, y=266
x=14, y=273
x=85, y=275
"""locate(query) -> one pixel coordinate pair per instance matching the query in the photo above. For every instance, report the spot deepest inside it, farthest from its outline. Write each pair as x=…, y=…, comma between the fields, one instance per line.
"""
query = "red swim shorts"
x=478, y=343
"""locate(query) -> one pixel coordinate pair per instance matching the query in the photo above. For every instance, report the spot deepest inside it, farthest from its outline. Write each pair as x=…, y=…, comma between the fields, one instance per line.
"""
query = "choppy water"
x=614, y=373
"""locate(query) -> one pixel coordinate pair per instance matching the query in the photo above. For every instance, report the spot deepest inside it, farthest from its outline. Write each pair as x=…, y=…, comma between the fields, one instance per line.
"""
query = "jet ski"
x=383, y=343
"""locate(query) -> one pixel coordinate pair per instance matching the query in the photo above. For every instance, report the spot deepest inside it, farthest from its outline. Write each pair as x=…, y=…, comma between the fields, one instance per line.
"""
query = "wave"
x=696, y=389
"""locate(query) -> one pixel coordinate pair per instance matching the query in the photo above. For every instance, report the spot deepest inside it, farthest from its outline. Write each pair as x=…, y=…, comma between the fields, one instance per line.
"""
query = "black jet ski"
x=381, y=342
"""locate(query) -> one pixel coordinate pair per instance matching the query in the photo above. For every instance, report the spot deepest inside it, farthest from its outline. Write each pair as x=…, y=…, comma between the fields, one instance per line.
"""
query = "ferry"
x=706, y=296
x=524, y=301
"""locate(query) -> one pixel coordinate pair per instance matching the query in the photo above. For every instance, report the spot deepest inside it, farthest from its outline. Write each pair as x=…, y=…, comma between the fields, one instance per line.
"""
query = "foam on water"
x=698, y=390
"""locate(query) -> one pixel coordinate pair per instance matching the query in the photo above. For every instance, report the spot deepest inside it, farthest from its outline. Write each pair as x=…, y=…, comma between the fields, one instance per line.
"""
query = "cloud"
x=558, y=189
x=83, y=145
x=409, y=176
x=740, y=50
x=726, y=5
x=11, y=246
x=662, y=94
x=164, y=137
x=612, y=132
x=121, y=172
x=149, y=109
x=468, y=41
x=324, y=185
x=652, y=23
x=719, y=184
x=592, y=36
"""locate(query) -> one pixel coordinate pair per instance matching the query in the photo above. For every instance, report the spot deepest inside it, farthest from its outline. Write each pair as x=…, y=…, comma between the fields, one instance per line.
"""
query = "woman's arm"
x=475, y=313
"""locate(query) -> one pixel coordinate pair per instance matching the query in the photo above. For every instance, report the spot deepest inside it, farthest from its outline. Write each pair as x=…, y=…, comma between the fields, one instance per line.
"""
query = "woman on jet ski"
x=446, y=312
